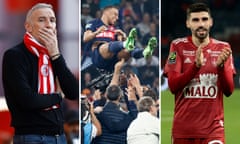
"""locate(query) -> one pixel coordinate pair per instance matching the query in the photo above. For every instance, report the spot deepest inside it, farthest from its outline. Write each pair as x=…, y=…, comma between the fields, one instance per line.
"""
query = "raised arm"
x=226, y=71
x=116, y=73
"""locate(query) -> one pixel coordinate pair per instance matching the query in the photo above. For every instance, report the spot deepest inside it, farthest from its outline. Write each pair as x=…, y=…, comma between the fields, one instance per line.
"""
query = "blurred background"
x=226, y=27
x=12, y=17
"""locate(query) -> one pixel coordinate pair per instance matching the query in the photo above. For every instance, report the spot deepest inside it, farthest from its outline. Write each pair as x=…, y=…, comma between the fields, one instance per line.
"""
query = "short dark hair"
x=151, y=94
x=109, y=7
x=198, y=7
x=145, y=103
x=113, y=92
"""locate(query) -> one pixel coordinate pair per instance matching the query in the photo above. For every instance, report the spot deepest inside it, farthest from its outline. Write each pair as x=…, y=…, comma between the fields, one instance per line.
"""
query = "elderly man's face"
x=42, y=18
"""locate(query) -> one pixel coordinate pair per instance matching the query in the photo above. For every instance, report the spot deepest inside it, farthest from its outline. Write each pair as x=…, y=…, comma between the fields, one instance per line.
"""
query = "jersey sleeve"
x=226, y=76
x=90, y=26
x=178, y=79
x=173, y=62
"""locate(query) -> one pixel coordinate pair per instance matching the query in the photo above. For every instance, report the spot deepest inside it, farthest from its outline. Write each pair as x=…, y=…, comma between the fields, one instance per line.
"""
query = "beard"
x=201, y=33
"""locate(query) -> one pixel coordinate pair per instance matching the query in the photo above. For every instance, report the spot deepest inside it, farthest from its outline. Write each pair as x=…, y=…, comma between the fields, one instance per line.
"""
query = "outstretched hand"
x=135, y=82
x=131, y=93
x=117, y=71
x=119, y=65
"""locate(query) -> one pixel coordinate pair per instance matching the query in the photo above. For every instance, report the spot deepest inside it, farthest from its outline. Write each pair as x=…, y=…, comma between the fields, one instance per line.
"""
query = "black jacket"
x=20, y=82
x=115, y=123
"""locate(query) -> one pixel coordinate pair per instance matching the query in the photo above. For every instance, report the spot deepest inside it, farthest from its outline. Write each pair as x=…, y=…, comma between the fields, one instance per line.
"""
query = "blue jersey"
x=105, y=36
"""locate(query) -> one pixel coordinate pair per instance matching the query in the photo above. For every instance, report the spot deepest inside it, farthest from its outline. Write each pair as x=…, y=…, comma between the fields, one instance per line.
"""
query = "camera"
x=101, y=82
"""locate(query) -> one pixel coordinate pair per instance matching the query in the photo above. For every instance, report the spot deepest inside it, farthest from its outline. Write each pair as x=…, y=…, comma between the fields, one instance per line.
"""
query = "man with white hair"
x=145, y=129
x=31, y=71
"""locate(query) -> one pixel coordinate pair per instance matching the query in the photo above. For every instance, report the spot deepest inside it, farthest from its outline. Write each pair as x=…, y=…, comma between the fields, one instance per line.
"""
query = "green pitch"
x=231, y=112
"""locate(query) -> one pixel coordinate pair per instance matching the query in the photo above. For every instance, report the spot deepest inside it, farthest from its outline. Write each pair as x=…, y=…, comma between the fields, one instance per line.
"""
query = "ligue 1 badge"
x=172, y=57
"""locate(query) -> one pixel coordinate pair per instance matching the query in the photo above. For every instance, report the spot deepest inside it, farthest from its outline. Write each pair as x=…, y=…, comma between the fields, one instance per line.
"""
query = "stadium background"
x=132, y=13
x=226, y=27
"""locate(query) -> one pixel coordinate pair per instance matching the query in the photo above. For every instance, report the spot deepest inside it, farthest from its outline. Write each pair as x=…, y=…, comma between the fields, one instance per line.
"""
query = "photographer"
x=90, y=126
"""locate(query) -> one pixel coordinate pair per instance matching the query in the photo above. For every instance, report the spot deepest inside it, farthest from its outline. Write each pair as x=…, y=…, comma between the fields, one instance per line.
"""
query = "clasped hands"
x=223, y=56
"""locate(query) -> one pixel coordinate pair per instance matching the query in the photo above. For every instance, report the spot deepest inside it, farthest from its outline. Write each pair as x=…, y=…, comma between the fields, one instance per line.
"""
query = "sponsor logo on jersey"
x=213, y=53
x=172, y=57
x=203, y=87
x=187, y=60
x=188, y=53
x=179, y=40
x=106, y=34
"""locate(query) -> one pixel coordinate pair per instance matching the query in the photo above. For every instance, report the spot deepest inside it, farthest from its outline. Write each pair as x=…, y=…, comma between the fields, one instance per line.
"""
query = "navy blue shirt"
x=108, y=35
x=115, y=123
x=105, y=36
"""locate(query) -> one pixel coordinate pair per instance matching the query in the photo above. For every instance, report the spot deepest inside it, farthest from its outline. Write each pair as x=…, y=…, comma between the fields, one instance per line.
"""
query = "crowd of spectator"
x=115, y=100
x=141, y=14
x=119, y=108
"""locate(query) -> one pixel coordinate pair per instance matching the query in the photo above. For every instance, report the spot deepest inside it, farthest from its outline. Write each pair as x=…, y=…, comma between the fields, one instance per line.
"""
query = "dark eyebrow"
x=197, y=19
x=205, y=18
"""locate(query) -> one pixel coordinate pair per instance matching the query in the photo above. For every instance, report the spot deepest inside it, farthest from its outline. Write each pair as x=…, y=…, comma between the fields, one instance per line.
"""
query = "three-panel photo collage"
x=119, y=72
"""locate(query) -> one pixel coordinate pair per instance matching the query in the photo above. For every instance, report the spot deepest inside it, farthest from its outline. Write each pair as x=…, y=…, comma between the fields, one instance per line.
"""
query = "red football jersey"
x=198, y=91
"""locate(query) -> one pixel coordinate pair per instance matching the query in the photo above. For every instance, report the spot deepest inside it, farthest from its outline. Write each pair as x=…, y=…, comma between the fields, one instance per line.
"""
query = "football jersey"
x=105, y=36
x=198, y=109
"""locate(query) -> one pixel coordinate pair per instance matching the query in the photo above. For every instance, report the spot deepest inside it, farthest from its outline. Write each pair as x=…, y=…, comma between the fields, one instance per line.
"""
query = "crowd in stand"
x=114, y=111
x=143, y=15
